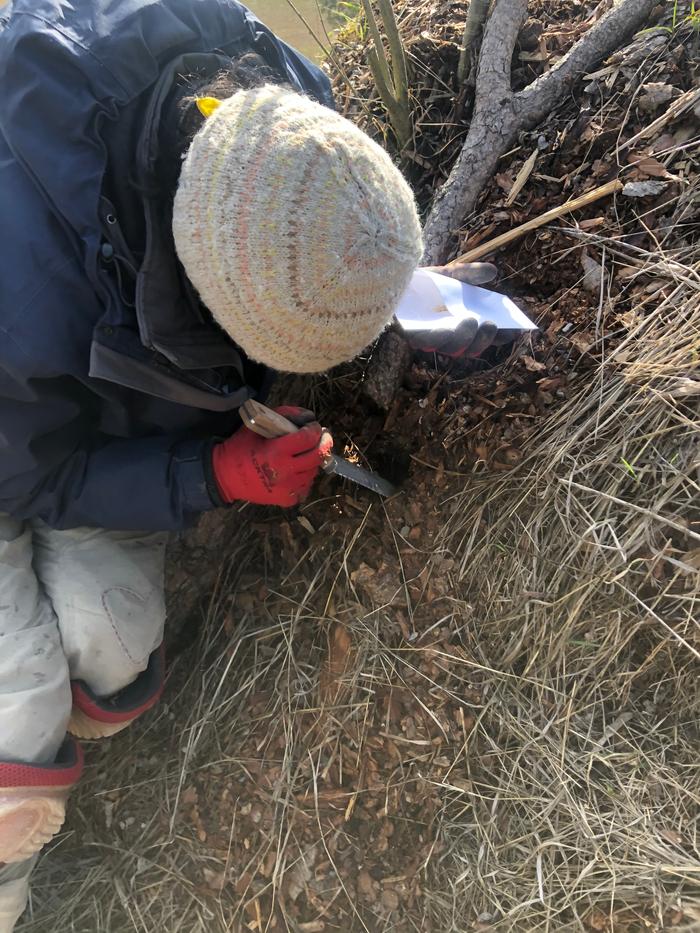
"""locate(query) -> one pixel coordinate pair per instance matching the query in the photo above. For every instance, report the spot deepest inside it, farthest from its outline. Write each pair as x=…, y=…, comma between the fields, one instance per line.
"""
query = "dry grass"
x=585, y=588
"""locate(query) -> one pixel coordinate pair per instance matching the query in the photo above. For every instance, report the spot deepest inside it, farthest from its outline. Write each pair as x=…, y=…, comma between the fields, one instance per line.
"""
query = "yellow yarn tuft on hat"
x=297, y=230
x=207, y=105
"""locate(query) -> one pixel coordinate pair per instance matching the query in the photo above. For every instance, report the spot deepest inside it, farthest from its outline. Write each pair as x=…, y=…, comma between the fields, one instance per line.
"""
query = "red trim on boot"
x=62, y=774
x=131, y=702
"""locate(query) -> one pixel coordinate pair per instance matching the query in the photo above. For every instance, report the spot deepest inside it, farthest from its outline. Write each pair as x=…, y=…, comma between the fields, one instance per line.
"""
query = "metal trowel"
x=267, y=423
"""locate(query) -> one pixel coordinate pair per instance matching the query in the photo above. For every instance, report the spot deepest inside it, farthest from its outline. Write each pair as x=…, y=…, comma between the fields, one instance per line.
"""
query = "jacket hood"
x=67, y=67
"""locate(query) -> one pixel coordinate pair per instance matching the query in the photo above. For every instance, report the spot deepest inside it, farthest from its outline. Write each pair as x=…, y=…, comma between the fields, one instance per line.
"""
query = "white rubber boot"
x=33, y=802
x=94, y=717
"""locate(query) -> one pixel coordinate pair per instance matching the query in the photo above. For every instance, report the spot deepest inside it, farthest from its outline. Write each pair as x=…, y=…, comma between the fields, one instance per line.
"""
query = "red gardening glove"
x=280, y=471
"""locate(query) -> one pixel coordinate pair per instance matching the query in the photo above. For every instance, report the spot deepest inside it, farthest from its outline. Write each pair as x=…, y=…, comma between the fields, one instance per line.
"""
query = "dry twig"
x=490, y=246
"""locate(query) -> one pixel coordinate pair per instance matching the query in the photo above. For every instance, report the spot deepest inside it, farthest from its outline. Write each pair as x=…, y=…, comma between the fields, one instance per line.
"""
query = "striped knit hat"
x=297, y=230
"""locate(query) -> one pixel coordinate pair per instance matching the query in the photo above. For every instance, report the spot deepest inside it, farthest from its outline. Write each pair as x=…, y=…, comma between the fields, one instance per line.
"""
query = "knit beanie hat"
x=296, y=229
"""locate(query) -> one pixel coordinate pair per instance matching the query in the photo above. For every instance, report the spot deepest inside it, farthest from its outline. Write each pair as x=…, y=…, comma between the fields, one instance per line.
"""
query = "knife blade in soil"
x=359, y=475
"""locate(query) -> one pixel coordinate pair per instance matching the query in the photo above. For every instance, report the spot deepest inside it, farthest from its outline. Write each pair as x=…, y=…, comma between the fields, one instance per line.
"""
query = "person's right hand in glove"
x=280, y=471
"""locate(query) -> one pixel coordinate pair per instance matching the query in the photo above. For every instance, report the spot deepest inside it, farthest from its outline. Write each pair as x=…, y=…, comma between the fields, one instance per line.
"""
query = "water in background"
x=282, y=20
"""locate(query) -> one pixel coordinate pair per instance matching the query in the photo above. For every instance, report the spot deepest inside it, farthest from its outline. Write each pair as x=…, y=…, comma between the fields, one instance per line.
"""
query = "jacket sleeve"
x=48, y=469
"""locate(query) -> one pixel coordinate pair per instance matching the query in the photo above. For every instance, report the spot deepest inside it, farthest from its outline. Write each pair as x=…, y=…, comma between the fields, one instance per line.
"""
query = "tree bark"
x=499, y=114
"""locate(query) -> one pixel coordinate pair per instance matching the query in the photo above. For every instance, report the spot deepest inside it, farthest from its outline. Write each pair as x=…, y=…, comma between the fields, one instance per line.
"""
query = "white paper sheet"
x=437, y=302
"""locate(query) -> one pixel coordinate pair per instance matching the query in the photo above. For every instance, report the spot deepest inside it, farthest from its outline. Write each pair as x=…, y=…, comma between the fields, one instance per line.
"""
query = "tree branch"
x=398, y=53
x=604, y=37
x=499, y=40
x=476, y=17
x=399, y=116
x=381, y=62
x=392, y=83
x=499, y=115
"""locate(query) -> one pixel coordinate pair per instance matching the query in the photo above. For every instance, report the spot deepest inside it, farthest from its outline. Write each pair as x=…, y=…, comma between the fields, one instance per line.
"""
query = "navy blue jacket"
x=113, y=380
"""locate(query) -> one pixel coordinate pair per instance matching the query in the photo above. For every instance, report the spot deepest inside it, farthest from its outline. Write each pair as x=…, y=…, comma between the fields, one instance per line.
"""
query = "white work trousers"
x=82, y=604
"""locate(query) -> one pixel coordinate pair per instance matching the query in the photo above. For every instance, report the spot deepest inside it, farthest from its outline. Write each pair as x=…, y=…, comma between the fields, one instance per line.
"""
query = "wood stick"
x=490, y=246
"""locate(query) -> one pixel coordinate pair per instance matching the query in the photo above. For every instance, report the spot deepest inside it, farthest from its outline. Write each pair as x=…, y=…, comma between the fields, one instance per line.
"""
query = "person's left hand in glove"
x=470, y=338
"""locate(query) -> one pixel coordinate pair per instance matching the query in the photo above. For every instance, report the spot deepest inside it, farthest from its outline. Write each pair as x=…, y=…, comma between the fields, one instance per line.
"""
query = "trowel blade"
x=359, y=475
